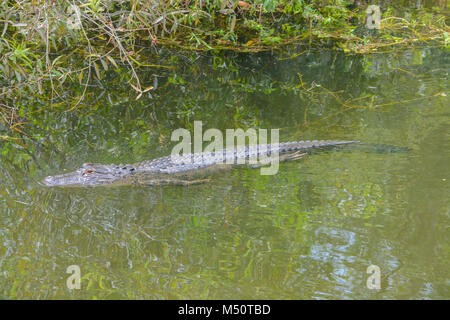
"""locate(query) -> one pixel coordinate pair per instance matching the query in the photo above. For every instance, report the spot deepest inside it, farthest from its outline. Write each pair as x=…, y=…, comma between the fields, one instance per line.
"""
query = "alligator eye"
x=88, y=171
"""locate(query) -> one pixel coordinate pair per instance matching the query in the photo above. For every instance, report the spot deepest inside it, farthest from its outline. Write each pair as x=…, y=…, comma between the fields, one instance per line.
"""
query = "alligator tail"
x=303, y=145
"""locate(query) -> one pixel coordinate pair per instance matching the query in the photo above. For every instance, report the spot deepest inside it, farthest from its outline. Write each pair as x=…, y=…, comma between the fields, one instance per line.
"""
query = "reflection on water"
x=308, y=232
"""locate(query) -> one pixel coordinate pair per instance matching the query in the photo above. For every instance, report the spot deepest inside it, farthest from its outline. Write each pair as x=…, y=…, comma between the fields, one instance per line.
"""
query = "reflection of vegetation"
x=234, y=91
x=46, y=48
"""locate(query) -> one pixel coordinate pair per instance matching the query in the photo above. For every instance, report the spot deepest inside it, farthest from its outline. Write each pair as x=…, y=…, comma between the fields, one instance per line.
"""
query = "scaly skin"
x=181, y=169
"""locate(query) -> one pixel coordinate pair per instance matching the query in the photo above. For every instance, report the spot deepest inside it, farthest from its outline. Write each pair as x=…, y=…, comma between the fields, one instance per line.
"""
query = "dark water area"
x=308, y=232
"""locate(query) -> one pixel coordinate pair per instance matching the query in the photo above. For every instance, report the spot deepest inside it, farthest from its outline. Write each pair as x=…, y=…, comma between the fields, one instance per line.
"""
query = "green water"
x=309, y=232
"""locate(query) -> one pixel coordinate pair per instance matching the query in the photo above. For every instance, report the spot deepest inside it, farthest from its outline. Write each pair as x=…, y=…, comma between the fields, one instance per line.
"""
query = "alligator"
x=183, y=169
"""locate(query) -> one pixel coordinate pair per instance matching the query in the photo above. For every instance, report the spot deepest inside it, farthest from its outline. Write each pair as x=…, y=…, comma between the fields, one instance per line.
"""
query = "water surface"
x=309, y=232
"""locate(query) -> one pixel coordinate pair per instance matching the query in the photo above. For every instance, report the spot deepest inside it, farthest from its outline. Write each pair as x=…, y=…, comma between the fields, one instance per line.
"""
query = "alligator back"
x=195, y=161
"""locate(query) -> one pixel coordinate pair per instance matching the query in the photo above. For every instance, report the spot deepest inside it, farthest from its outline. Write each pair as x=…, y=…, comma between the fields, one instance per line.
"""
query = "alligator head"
x=91, y=174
